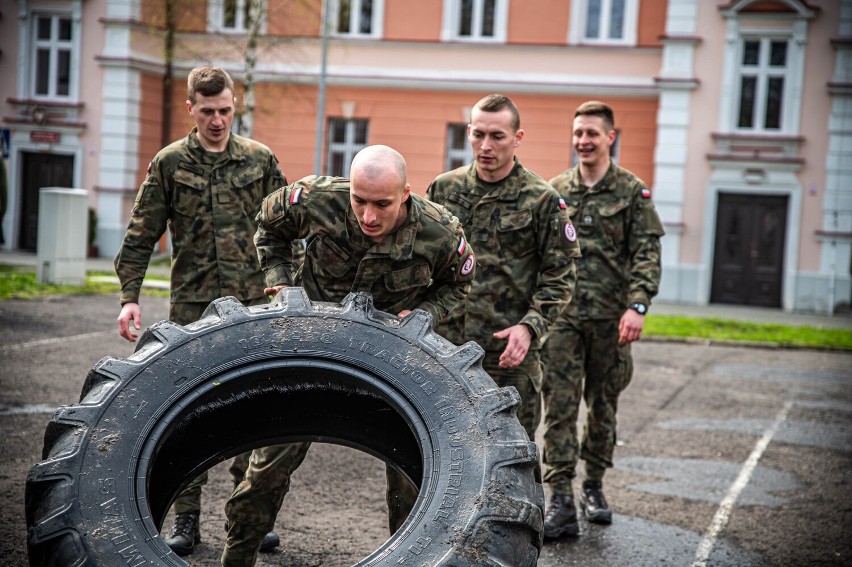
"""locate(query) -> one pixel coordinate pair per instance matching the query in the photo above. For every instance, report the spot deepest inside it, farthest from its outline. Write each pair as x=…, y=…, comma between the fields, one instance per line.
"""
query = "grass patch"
x=713, y=329
x=20, y=283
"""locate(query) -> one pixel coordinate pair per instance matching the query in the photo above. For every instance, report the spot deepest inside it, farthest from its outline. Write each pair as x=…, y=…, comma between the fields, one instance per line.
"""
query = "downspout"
x=165, y=133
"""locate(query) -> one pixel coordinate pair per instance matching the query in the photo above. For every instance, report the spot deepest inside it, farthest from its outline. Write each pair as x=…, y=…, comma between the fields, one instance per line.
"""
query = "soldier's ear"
x=406, y=192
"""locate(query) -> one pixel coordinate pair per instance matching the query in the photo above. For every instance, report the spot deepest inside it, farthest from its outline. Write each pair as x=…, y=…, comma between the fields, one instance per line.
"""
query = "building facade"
x=737, y=113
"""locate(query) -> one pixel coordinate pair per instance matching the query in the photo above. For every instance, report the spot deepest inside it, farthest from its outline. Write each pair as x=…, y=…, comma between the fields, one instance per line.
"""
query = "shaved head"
x=374, y=162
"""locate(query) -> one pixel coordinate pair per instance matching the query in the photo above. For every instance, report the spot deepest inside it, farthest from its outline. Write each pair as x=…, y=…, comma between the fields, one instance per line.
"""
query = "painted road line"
x=723, y=514
x=55, y=340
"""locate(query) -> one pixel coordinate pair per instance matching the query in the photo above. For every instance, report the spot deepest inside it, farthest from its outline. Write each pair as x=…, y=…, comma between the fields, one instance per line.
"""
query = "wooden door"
x=748, y=262
x=39, y=170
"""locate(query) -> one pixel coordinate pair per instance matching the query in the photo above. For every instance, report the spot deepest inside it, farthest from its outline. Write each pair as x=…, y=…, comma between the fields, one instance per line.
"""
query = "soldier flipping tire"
x=290, y=371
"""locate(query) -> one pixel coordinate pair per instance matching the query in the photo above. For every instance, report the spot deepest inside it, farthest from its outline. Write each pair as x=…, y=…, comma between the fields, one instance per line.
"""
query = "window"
x=762, y=70
x=345, y=139
x=475, y=20
x=459, y=152
x=603, y=22
x=52, y=51
x=233, y=16
x=357, y=17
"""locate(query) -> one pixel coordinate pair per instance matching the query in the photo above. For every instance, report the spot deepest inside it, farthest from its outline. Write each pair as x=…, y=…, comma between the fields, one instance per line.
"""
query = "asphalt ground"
x=727, y=455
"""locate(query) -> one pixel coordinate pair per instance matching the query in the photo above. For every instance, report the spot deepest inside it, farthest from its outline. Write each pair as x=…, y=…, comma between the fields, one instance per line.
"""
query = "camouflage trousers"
x=254, y=505
x=190, y=498
x=526, y=378
x=582, y=358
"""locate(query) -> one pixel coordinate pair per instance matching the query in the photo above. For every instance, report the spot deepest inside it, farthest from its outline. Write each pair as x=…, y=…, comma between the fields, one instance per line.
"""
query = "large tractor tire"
x=288, y=371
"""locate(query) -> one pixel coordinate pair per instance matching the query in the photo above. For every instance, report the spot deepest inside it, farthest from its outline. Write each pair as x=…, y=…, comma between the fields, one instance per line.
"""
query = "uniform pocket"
x=408, y=278
x=190, y=193
x=614, y=219
x=328, y=260
x=515, y=232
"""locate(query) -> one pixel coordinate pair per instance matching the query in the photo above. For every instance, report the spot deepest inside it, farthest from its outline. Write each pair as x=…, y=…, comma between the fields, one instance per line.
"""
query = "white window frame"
x=580, y=17
x=762, y=72
x=796, y=36
x=377, y=25
x=33, y=44
x=452, y=19
x=463, y=155
x=216, y=16
x=349, y=147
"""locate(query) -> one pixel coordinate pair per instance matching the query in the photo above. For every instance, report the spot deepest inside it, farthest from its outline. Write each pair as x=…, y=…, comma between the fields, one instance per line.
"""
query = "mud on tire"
x=288, y=371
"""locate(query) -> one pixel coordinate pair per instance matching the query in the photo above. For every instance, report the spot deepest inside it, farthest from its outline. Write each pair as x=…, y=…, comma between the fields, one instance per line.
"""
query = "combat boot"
x=561, y=517
x=185, y=533
x=594, y=504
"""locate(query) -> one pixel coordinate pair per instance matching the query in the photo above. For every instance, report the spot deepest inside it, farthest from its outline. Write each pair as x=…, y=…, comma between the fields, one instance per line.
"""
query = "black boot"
x=185, y=533
x=270, y=540
x=594, y=504
x=561, y=517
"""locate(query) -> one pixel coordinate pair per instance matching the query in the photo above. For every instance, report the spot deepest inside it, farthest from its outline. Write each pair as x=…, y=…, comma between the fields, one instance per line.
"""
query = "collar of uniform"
x=510, y=186
x=608, y=182
x=234, y=149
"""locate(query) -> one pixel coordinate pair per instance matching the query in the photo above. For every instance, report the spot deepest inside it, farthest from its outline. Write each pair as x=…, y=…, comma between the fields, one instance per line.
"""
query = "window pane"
x=337, y=130
x=42, y=71
x=747, y=86
x=466, y=17
x=360, y=131
x=336, y=165
x=773, y=102
x=488, y=18
x=65, y=29
x=593, y=19
x=616, y=20
x=366, y=20
x=751, y=52
x=343, y=16
x=458, y=136
x=43, y=28
x=778, y=54
x=229, y=14
x=63, y=72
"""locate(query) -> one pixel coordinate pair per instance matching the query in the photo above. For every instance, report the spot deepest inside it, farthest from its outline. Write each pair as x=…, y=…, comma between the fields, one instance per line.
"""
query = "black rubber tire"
x=288, y=371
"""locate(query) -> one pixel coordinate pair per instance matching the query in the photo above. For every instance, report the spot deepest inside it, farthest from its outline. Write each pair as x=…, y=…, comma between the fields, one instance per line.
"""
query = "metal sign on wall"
x=44, y=136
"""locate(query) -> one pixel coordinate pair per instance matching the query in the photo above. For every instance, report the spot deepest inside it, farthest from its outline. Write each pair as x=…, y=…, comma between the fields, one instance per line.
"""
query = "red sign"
x=44, y=136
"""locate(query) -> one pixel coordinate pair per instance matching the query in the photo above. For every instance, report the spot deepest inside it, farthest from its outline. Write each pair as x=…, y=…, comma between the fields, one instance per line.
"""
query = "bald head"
x=376, y=162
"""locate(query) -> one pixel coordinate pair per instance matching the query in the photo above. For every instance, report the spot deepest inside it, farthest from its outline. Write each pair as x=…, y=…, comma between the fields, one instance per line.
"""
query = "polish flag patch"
x=462, y=247
x=562, y=204
x=646, y=193
x=295, y=196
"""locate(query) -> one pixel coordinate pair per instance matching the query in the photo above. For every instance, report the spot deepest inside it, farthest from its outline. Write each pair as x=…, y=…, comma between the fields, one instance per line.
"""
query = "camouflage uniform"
x=527, y=246
x=208, y=201
x=620, y=233
x=426, y=264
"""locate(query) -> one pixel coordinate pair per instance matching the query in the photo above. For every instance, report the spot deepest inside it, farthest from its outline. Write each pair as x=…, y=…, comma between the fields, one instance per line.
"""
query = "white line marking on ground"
x=43, y=342
x=723, y=514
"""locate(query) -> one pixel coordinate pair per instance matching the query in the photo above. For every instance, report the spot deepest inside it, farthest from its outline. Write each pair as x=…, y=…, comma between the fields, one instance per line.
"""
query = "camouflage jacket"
x=209, y=209
x=526, y=245
x=620, y=231
x=425, y=264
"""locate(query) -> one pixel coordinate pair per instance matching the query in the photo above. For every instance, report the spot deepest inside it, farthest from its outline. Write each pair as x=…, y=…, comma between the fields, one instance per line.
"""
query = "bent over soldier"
x=206, y=188
x=368, y=233
x=587, y=353
x=526, y=244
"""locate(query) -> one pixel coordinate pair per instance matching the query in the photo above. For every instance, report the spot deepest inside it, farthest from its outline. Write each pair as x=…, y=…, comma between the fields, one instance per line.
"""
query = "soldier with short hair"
x=206, y=189
x=371, y=234
x=526, y=244
x=588, y=350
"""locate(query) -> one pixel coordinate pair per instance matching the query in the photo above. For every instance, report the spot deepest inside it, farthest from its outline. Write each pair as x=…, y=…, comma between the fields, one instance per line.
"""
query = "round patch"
x=467, y=267
x=570, y=233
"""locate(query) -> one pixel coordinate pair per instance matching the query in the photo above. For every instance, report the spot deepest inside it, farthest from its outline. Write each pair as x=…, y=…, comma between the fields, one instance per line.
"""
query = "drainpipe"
x=165, y=132
x=321, y=98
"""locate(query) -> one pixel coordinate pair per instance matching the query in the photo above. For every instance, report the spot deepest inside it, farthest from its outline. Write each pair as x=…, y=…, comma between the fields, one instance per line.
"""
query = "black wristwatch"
x=639, y=308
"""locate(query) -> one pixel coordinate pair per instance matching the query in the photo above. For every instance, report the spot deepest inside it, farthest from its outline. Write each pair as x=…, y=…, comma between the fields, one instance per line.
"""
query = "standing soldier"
x=206, y=188
x=367, y=233
x=588, y=350
x=526, y=245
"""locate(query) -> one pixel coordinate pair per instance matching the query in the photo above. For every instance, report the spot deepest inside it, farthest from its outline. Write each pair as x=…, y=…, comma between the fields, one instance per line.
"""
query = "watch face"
x=639, y=308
